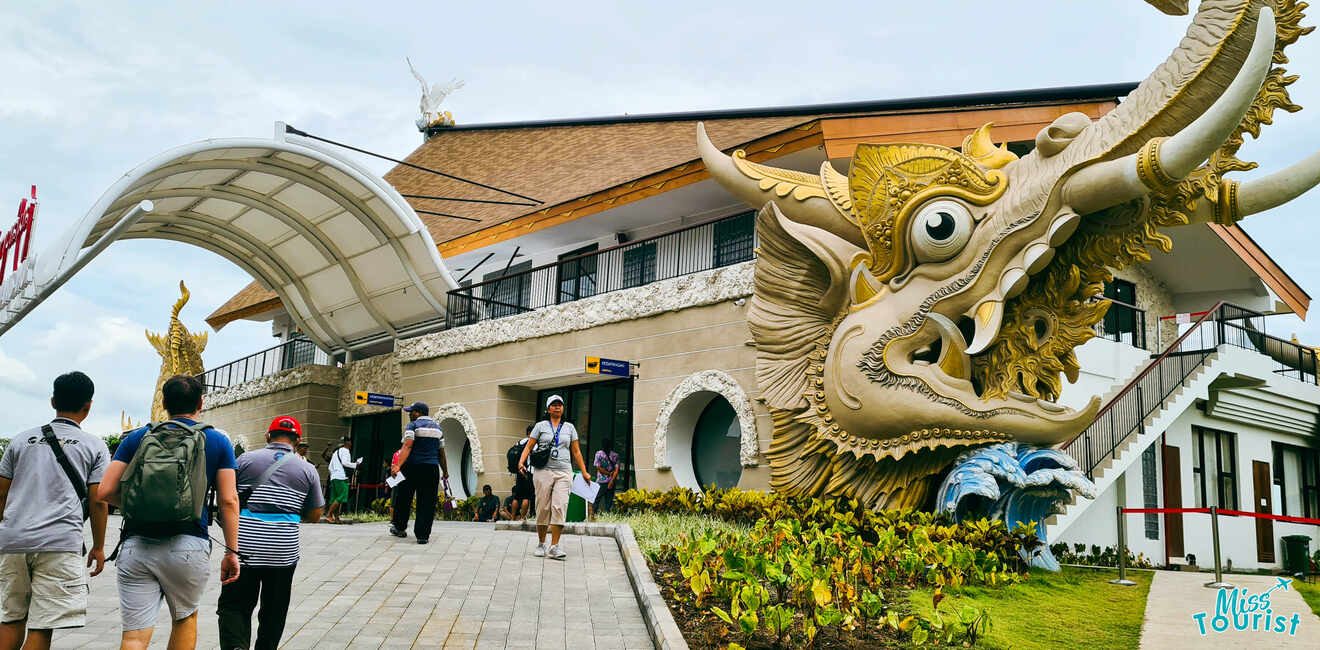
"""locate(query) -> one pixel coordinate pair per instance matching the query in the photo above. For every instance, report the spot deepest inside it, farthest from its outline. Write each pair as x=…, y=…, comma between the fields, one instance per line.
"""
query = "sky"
x=91, y=90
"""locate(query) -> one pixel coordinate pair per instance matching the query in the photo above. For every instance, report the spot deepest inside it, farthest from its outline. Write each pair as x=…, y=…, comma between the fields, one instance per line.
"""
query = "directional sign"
x=375, y=399
x=599, y=366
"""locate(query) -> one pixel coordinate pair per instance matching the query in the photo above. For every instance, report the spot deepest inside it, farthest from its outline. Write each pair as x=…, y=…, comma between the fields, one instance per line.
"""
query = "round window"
x=715, y=446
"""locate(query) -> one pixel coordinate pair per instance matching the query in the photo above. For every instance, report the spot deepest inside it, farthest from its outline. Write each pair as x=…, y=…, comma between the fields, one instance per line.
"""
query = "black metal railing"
x=1124, y=323
x=688, y=250
x=291, y=354
x=1224, y=324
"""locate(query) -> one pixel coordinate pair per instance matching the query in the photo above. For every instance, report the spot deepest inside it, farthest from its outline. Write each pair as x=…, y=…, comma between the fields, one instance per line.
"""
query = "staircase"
x=1144, y=408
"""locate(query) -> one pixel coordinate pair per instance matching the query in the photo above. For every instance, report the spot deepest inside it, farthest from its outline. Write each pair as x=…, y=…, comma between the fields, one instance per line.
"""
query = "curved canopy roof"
x=348, y=257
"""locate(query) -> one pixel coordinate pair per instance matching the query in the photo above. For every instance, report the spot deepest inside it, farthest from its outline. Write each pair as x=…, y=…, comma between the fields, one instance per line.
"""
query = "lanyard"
x=556, y=430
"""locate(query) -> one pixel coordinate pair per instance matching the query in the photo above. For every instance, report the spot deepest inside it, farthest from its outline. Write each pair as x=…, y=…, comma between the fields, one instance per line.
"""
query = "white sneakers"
x=554, y=553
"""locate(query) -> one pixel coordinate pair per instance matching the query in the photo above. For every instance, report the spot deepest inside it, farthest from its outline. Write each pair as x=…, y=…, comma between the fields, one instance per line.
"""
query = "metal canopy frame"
x=317, y=229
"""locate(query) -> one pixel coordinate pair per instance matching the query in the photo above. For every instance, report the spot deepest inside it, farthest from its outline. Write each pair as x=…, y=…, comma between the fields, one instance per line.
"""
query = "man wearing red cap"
x=276, y=489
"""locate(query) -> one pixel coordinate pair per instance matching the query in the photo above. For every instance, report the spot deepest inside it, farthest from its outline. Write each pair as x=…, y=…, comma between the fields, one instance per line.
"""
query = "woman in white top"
x=553, y=481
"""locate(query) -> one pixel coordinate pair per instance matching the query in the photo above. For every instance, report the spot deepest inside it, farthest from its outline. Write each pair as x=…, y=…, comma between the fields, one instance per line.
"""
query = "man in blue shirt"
x=421, y=461
x=173, y=569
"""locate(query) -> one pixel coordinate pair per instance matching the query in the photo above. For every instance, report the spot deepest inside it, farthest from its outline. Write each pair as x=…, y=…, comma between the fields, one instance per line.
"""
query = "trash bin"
x=1296, y=554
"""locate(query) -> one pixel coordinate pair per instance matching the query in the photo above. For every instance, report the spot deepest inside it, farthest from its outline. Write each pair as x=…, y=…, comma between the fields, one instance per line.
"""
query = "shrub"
x=1096, y=556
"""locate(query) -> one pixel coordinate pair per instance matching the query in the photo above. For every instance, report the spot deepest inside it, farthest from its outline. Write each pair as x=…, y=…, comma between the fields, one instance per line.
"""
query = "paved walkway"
x=1176, y=596
x=357, y=587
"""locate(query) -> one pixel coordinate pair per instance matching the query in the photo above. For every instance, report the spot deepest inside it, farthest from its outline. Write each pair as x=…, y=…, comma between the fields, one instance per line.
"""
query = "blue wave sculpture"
x=1014, y=483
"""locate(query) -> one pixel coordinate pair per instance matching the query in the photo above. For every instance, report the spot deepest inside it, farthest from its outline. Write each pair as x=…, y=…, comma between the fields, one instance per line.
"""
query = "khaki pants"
x=552, y=488
x=48, y=589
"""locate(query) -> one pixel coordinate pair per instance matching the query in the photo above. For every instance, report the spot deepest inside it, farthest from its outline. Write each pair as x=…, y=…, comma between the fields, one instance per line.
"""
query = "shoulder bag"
x=540, y=456
x=79, y=486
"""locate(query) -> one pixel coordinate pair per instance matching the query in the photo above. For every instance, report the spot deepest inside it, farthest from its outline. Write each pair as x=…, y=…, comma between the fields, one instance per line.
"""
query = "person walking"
x=607, y=472
x=421, y=461
x=549, y=445
x=341, y=461
x=48, y=487
x=523, y=490
x=277, y=488
x=159, y=477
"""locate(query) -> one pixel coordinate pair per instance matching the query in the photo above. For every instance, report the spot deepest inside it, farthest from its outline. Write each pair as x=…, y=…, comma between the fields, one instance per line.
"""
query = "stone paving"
x=1176, y=596
x=471, y=587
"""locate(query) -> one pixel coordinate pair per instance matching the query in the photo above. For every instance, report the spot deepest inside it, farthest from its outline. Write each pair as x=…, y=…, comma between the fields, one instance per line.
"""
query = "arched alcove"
x=679, y=417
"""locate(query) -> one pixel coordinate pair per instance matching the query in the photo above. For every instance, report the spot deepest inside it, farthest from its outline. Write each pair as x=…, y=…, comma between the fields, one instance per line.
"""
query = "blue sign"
x=599, y=366
x=375, y=399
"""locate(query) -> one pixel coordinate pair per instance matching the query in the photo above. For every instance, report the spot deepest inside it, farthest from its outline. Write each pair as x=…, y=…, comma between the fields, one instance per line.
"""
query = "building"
x=633, y=253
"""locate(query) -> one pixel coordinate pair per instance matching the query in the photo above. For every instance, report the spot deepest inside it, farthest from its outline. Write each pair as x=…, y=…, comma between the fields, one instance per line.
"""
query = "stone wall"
x=374, y=375
x=309, y=393
x=1155, y=297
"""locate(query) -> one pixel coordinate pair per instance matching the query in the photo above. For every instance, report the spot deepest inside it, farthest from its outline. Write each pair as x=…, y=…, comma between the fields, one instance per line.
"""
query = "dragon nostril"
x=1041, y=329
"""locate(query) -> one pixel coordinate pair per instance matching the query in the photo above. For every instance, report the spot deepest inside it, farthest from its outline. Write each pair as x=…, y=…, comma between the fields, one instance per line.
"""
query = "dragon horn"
x=1280, y=187
x=1162, y=163
x=801, y=197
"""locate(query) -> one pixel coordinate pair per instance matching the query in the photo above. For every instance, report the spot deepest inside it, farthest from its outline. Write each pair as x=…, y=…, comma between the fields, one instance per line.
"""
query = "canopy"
x=348, y=257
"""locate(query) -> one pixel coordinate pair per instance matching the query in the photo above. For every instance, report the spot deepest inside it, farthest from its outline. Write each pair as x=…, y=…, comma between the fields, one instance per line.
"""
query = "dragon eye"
x=940, y=230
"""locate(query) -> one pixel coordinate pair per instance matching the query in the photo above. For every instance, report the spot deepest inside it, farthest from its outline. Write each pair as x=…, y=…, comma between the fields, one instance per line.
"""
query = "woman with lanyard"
x=549, y=445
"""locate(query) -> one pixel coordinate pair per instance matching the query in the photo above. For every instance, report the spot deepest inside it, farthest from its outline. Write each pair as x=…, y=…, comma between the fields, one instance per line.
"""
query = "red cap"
x=285, y=424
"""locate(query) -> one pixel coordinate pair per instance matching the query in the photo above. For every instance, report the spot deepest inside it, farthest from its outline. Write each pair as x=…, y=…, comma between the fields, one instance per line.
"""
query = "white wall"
x=1106, y=365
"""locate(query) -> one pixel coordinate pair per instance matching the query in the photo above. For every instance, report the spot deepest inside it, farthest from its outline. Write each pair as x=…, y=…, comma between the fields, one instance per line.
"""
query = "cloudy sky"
x=90, y=91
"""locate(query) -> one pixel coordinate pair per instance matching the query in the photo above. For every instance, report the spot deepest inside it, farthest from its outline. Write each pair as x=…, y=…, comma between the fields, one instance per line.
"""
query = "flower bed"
x=821, y=572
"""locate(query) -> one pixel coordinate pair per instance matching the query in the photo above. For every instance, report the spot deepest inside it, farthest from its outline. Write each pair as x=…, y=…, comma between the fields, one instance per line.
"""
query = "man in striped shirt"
x=276, y=490
x=422, y=463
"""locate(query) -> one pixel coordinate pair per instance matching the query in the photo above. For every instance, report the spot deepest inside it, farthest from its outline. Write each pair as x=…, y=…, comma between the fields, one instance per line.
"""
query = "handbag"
x=540, y=456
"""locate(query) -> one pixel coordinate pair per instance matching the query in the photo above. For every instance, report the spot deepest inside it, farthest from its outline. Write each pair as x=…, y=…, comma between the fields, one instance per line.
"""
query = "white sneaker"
x=540, y=550
x=556, y=553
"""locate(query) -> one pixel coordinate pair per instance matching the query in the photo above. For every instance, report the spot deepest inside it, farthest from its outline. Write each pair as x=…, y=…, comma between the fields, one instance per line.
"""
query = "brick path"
x=471, y=587
x=1176, y=596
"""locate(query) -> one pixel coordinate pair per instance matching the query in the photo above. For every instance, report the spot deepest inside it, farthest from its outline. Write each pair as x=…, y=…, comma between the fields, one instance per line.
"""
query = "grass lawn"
x=654, y=529
x=1310, y=593
x=1075, y=608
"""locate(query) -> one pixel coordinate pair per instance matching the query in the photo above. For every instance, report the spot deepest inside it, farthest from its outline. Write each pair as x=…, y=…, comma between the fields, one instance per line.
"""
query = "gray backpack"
x=164, y=487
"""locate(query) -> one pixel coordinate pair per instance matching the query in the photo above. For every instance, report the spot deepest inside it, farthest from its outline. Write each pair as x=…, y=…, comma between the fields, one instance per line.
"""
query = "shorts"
x=173, y=569
x=551, y=496
x=338, y=491
x=49, y=589
x=522, y=487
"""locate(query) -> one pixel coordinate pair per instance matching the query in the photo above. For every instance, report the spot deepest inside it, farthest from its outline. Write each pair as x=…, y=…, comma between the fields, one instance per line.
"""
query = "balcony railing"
x=1124, y=323
x=695, y=248
x=291, y=354
x=1125, y=414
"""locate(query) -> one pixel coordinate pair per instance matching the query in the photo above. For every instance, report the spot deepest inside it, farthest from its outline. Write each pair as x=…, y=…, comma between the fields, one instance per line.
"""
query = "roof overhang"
x=347, y=256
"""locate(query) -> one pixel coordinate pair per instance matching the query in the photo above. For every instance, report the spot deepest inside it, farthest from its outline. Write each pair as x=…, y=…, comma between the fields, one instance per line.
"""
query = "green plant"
x=1107, y=557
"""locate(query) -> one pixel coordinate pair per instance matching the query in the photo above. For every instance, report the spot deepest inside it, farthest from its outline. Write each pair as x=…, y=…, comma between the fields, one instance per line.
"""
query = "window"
x=1120, y=322
x=1215, y=484
x=716, y=443
x=508, y=291
x=639, y=265
x=1149, y=492
x=734, y=239
x=1295, y=472
x=577, y=277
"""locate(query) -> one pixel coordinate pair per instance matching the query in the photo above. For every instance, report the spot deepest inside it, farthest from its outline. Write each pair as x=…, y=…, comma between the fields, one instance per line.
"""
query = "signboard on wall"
x=615, y=367
x=375, y=399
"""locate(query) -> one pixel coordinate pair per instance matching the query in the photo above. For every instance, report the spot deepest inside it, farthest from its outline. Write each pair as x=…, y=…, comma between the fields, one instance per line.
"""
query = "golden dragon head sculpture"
x=931, y=299
x=180, y=353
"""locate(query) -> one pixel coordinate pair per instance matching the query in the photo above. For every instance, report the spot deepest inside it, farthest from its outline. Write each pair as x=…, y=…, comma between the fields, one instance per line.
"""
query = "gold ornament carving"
x=783, y=182
x=180, y=353
x=889, y=181
x=980, y=148
x=1149, y=169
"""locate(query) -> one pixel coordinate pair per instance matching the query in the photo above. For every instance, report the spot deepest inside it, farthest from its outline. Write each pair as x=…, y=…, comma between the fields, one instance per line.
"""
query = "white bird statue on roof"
x=432, y=97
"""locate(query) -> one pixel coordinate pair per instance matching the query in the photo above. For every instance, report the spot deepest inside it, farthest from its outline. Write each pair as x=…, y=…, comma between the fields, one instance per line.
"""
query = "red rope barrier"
x=1261, y=515
x=1227, y=513
x=1165, y=511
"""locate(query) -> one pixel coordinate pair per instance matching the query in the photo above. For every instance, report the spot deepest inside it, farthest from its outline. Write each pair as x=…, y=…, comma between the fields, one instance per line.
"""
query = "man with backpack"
x=421, y=461
x=523, y=491
x=48, y=487
x=160, y=478
x=277, y=488
x=341, y=463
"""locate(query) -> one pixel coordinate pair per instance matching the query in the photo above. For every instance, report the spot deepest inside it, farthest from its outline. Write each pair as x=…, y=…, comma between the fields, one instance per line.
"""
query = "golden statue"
x=180, y=353
x=928, y=302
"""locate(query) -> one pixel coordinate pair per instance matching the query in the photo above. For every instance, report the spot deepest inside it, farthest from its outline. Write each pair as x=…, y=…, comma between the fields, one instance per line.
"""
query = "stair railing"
x=1127, y=411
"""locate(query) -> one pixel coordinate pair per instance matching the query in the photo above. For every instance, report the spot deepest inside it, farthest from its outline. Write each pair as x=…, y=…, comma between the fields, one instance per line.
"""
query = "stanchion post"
x=1122, y=553
x=1214, y=534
